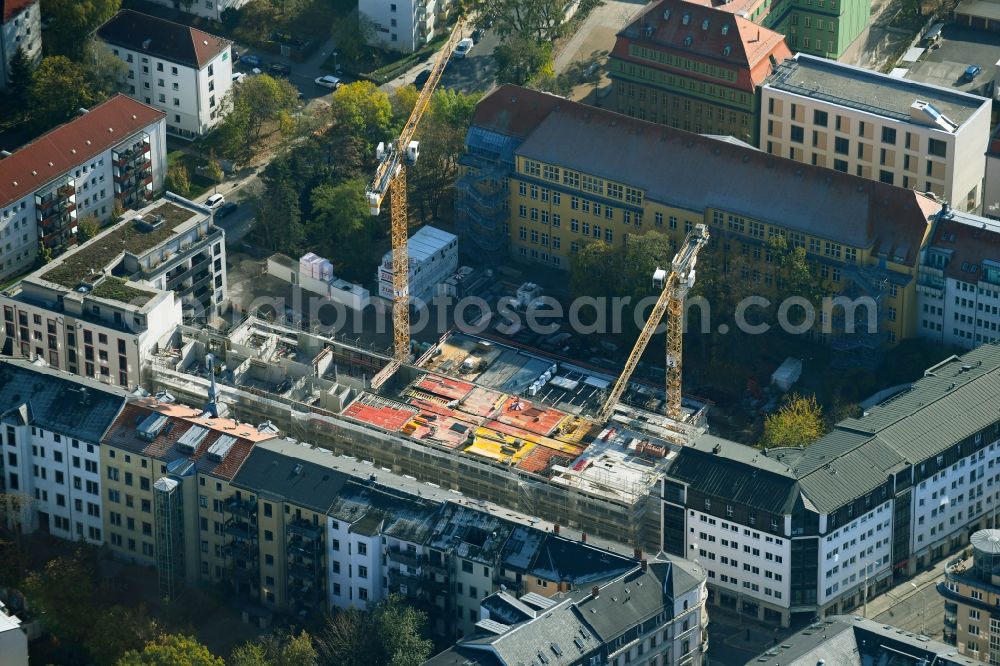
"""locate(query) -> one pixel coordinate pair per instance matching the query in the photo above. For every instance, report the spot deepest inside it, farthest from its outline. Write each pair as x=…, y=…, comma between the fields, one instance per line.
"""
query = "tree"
x=540, y=20
x=65, y=592
x=171, y=650
x=278, y=225
x=87, y=228
x=519, y=57
x=118, y=630
x=178, y=179
x=212, y=169
x=257, y=101
x=72, y=19
x=341, y=226
x=799, y=422
x=388, y=634
x=59, y=87
x=361, y=110
x=107, y=74
x=44, y=252
x=19, y=82
x=352, y=33
x=279, y=649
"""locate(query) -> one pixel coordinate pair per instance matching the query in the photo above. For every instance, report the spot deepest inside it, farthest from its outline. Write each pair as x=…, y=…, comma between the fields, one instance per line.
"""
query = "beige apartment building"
x=971, y=591
x=896, y=131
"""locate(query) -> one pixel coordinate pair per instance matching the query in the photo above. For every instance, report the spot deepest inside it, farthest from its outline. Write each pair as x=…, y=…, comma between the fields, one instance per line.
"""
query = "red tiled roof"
x=161, y=38
x=514, y=111
x=969, y=245
x=75, y=142
x=729, y=41
x=12, y=8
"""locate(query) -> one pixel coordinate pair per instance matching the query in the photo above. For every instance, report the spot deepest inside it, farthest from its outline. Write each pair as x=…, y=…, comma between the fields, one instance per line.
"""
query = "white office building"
x=433, y=257
x=180, y=70
x=51, y=426
x=906, y=133
x=404, y=25
x=113, y=153
x=20, y=27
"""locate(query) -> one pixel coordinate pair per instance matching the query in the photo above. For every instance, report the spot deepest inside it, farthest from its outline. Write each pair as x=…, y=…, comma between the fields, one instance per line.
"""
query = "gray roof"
x=286, y=474
x=58, y=401
x=400, y=514
x=854, y=641
x=575, y=562
x=697, y=173
x=869, y=91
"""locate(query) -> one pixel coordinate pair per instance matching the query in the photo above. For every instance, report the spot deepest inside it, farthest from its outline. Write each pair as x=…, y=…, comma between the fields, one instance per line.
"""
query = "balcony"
x=303, y=572
x=300, y=548
x=405, y=557
x=240, y=530
x=304, y=529
x=234, y=504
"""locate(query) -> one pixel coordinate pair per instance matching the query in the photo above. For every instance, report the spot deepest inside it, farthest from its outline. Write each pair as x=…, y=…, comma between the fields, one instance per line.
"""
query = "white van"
x=215, y=201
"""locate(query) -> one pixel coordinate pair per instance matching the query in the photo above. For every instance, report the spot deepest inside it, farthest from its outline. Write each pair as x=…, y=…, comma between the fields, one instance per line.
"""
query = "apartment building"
x=51, y=424
x=695, y=67
x=102, y=309
x=529, y=177
x=20, y=28
x=179, y=70
x=210, y=9
x=653, y=614
x=971, y=592
x=958, y=286
x=789, y=533
x=873, y=125
x=404, y=25
x=114, y=153
x=166, y=470
x=13, y=639
x=856, y=641
x=433, y=257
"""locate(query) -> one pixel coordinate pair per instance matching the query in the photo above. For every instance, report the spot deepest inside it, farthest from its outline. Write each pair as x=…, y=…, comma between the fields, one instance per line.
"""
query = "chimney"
x=583, y=537
x=595, y=592
x=555, y=528
x=642, y=564
x=637, y=553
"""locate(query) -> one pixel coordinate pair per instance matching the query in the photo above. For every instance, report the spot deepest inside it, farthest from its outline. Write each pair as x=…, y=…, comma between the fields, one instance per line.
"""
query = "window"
x=841, y=146
x=937, y=147
x=798, y=134
x=820, y=118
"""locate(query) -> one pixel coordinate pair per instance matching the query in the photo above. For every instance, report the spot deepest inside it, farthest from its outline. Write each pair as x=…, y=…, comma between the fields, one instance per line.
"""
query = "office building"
x=654, y=614
x=20, y=28
x=433, y=258
x=102, y=309
x=958, y=286
x=695, y=67
x=856, y=641
x=897, y=131
x=404, y=25
x=971, y=597
x=543, y=176
x=51, y=424
x=179, y=70
x=113, y=154
x=788, y=533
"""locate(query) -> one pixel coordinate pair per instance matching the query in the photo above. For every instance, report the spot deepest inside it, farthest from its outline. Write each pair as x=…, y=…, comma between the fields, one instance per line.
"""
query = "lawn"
x=194, y=164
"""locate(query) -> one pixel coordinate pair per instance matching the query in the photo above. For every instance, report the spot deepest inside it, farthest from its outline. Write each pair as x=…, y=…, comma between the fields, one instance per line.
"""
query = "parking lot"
x=960, y=47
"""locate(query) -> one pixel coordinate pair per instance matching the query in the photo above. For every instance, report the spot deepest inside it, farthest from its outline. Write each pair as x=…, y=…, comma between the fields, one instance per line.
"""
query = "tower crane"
x=675, y=285
x=390, y=180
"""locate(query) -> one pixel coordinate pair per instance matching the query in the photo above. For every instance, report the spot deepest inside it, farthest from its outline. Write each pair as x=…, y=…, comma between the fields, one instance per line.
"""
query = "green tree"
x=59, y=87
x=361, y=110
x=278, y=221
x=352, y=33
x=171, y=650
x=341, y=227
x=73, y=19
x=19, y=82
x=87, y=228
x=65, y=592
x=212, y=169
x=799, y=422
x=178, y=179
x=250, y=107
x=539, y=20
x=106, y=73
x=44, y=252
x=388, y=634
x=279, y=649
x=519, y=58
x=118, y=630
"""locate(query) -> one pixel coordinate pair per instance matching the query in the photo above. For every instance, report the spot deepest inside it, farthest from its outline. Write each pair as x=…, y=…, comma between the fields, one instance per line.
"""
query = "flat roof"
x=979, y=8
x=865, y=90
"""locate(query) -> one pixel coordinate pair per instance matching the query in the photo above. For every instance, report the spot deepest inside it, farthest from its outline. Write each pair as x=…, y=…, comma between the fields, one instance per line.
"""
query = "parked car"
x=239, y=76
x=328, y=81
x=477, y=35
x=215, y=201
x=277, y=69
x=225, y=210
x=251, y=60
x=422, y=79
x=463, y=48
x=971, y=72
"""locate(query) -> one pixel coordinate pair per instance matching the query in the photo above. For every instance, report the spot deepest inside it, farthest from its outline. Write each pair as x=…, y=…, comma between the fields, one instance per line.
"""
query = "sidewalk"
x=902, y=592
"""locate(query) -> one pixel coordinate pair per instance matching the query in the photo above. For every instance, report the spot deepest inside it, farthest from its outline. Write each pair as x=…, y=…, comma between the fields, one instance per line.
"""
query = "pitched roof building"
x=162, y=39
x=694, y=67
x=20, y=28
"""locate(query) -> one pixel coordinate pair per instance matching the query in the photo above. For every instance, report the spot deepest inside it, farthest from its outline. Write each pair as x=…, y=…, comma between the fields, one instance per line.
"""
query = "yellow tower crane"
x=390, y=179
x=676, y=283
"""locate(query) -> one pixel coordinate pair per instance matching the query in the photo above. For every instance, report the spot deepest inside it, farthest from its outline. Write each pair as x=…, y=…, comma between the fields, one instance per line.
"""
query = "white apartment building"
x=51, y=426
x=182, y=71
x=113, y=153
x=958, y=284
x=13, y=640
x=404, y=25
x=20, y=27
x=211, y=9
x=103, y=309
x=897, y=131
x=433, y=257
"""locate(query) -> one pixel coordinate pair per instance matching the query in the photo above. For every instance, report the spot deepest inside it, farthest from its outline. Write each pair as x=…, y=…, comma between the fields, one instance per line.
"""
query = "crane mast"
x=675, y=286
x=390, y=180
